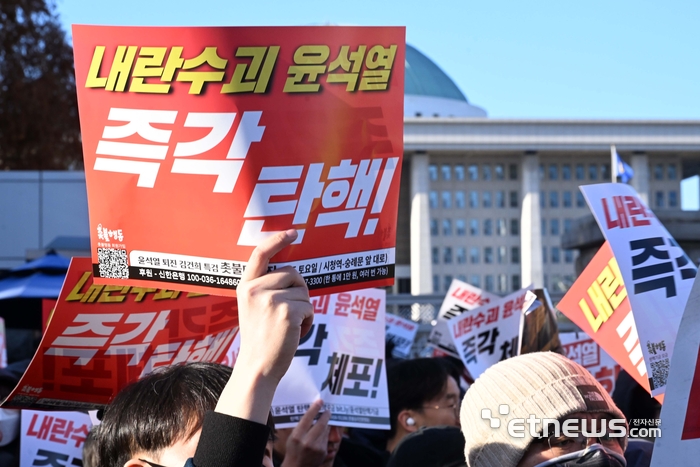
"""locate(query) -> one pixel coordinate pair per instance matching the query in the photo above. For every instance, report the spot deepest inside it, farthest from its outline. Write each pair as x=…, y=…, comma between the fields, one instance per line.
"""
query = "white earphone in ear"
x=410, y=421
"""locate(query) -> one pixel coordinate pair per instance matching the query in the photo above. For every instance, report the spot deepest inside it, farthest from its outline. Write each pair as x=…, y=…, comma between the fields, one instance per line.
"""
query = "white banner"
x=580, y=348
x=402, y=332
x=657, y=273
x=491, y=333
x=341, y=361
x=460, y=297
x=679, y=443
x=53, y=438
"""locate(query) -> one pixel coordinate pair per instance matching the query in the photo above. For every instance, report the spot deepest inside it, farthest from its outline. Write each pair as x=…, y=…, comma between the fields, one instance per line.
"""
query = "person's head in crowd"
x=90, y=449
x=441, y=446
x=309, y=444
x=421, y=394
x=539, y=386
x=456, y=369
x=633, y=400
x=157, y=420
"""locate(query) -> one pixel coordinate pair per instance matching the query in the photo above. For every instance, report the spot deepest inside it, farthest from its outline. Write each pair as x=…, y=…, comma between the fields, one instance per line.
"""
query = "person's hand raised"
x=274, y=311
x=273, y=308
x=307, y=445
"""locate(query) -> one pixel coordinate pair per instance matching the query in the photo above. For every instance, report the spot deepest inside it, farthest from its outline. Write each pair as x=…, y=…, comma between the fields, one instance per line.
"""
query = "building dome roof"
x=425, y=78
x=429, y=92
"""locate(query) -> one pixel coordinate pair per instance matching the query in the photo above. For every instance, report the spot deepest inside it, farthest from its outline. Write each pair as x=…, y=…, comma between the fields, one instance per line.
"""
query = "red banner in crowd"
x=598, y=304
x=200, y=142
x=102, y=337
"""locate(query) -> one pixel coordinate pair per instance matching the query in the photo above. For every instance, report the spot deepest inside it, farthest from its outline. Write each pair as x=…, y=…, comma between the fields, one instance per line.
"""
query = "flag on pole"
x=620, y=170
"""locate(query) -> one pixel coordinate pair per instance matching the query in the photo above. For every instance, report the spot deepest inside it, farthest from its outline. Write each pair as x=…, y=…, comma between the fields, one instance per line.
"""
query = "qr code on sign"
x=112, y=263
x=659, y=373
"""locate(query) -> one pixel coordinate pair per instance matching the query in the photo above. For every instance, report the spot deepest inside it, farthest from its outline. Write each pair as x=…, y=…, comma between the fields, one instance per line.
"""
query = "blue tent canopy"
x=41, y=278
x=37, y=285
x=50, y=261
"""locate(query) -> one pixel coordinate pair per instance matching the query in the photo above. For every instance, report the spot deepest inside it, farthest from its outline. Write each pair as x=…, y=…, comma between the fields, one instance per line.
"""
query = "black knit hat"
x=441, y=446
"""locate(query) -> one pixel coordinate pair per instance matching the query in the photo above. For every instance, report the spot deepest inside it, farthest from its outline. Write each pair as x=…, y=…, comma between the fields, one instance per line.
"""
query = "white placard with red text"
x=657, y=273
x=402, y=332
x=53, y=438
x=460, y=297
x=580, y=348
x=341, y=361
x=491, y=333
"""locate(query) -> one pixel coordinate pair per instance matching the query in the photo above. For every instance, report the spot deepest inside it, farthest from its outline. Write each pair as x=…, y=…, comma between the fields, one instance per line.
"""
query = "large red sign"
x=200, y=142
x=102, y=337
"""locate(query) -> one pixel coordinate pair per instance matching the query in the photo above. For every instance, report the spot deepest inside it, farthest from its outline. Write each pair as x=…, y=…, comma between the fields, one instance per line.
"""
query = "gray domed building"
x=430, y=92
x=494, y=202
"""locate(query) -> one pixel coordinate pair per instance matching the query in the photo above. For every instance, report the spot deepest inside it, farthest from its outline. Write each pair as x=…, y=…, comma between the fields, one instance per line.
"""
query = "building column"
x=531, y=269
x=421, y=264
x=640, y=180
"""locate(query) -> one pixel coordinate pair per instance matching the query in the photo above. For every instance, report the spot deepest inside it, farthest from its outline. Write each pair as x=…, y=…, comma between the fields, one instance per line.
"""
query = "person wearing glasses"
x=422, y=393
x=505, y=411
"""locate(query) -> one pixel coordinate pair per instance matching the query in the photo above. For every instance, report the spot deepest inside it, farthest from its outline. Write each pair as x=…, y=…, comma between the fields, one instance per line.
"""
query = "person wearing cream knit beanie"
x=539, y=386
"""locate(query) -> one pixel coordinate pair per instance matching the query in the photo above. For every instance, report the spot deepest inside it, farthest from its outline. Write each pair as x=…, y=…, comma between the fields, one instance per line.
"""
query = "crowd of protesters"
x=207, y=415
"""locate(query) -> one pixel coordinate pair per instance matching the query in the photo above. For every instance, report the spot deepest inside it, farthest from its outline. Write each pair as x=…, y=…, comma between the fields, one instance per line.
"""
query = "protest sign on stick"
x=540, y=327
x=200, y=142
x=460, y=297
x=598, y=303
x=341, y=360
x=656, y=271
x=679, y=443
x=53, y=438
x=402, y=333
x=486, y=335
x=102, y=337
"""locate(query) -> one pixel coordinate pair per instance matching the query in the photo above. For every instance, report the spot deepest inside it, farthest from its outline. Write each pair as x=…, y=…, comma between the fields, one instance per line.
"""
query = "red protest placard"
x=199, y=142
x=102, y=337
x=597, y=302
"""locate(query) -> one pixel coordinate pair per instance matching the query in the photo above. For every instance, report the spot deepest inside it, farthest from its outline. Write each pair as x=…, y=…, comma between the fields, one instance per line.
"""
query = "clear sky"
x=593, y=59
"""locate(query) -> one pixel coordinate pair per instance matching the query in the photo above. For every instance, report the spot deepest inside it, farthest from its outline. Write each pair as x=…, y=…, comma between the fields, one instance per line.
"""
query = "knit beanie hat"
x=544, y=384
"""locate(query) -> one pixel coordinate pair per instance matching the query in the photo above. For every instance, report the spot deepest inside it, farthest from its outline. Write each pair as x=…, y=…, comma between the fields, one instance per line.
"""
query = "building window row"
x=555, y=199
x=592, y=172
x=473, y=172
x=666, y=200
x=669, y=170
x=448, y=199
x=555, y=255
x=500, y=227
x=488, y=172
x=556, y=226
x=491, y=255
x=500, y=283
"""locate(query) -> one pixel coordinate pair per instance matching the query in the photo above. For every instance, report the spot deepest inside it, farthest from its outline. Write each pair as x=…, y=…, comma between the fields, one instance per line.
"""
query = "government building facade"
x=487, y=200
